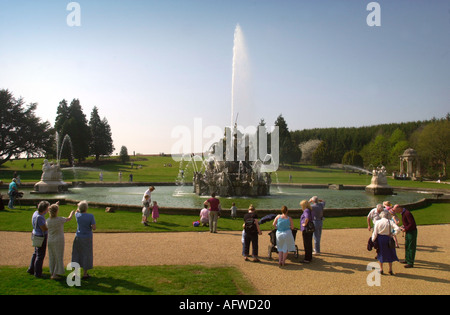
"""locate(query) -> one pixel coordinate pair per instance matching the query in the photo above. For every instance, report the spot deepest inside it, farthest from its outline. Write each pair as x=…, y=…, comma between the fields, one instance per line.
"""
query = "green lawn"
x=167, y=280
x=143, y=280
x=153, y=170
x=125, y=221
x=156, y=280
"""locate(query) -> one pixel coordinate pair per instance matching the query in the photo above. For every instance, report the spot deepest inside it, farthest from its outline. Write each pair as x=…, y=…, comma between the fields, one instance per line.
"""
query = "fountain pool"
x=183, y=197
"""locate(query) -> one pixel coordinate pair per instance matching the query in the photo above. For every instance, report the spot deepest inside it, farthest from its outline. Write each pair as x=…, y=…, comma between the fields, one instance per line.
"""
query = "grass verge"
x=141, y=280
x=19, y=220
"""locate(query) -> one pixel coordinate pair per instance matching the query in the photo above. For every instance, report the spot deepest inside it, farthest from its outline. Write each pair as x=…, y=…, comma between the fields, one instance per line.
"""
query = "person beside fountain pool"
x=233, y=210
x=388, y=207
x=382, y=231
x=55, y=241
x=155, y=212
x=252, y=230
x=214, y=209
x=82, y=249
x=145, y=210
x=148, y=192
x=374, y=215
x=307, y=237
x=285, y=239
x=410, y=228
x=204, y=215
x=317, y=206
x=39, y=229
x=12, y=192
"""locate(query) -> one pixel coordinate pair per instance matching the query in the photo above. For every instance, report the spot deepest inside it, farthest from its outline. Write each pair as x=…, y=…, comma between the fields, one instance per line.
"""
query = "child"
x=251, y=227
x=204, y=215
x=233, y=211
x=155, y=212
x=145, y=210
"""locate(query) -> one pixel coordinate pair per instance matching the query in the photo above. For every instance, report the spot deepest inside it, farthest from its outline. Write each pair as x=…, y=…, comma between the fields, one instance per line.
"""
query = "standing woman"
x=307, y=237
x=55, y=227
x=82, y=249
x=285, y=239
x=252, y=230
x=382, y=231
x=214, y=210
x=40, y=230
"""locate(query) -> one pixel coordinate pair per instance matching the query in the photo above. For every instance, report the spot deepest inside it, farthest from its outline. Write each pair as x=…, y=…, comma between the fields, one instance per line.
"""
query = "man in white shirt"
x=374, y=215
x=149, y=193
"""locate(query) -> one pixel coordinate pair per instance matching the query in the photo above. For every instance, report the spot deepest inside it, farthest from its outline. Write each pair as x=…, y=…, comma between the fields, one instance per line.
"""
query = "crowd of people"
x=382, y=221
x=383, y=217
x=50, y=233
x=385, y=230
x=311, y=223
x=312, y=216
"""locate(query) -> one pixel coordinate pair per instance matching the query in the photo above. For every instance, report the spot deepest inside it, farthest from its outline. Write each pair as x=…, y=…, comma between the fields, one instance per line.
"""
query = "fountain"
x=51, y=179
x=232, y=177
x=378, y=184
x=236, y=171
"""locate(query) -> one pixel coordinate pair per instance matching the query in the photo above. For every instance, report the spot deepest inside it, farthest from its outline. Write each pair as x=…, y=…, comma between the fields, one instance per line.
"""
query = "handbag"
x=310, y=228
x=36, y=241
x=391, y=243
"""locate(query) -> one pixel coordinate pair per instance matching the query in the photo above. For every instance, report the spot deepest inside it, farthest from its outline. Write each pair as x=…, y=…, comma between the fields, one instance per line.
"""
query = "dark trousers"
x=37, y=260
x=410, y=247
x=251, y=238
x=307, y=244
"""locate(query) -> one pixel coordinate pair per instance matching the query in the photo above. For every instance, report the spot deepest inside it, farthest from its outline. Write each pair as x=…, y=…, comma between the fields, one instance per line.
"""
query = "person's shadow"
x=110, y=285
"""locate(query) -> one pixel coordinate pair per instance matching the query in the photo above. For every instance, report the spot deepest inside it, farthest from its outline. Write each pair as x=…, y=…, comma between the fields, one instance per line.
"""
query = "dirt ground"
x=340, y=269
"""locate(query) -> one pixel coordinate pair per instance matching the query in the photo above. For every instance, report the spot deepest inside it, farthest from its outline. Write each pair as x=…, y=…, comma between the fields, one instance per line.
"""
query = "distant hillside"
x=342, y=140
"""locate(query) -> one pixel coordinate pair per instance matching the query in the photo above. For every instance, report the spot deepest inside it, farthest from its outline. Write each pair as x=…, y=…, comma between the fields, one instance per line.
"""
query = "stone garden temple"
x=411, y=159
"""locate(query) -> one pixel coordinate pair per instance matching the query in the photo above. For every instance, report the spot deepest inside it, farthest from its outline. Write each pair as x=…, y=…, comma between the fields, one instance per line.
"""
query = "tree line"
x=383, y=144
x=87, y=138
x=23, y=133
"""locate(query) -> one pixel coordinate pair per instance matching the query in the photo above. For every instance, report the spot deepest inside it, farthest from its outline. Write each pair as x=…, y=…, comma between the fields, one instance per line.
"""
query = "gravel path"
x=340, y=269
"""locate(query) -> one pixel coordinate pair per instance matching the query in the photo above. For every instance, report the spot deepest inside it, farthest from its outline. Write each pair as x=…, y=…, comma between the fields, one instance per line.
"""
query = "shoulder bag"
x=391, y=243
x=37, y=241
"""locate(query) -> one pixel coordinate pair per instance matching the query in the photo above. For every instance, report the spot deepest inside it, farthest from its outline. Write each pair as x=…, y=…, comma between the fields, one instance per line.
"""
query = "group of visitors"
x=383, y=217
x=312, y=212
x=50, y=233
x=385, y=228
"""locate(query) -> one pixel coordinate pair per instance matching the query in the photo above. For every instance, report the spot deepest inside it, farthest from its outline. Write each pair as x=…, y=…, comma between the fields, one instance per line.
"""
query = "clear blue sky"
x=150, y=66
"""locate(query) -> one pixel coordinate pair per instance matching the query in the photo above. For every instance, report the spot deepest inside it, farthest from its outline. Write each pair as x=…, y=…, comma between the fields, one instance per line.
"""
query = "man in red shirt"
x=409, y=226
x=214, y=208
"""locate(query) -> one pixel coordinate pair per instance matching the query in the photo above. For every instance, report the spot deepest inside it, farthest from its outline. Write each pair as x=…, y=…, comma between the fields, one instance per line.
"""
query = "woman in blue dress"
x=383, y=230
x=285, y=239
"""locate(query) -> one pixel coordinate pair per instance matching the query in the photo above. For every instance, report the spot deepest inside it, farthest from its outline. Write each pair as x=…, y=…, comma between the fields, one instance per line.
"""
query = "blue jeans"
x=318, y=224
x=37, y=260
x=11, y=199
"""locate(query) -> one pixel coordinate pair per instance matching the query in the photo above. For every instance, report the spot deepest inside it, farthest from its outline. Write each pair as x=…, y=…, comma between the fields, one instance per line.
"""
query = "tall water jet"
x=240, y=82
x=232, y=167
